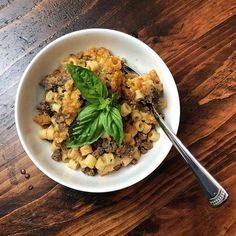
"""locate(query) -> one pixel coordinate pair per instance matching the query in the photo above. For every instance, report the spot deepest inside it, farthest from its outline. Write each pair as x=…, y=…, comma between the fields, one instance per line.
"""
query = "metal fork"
x=216, y=194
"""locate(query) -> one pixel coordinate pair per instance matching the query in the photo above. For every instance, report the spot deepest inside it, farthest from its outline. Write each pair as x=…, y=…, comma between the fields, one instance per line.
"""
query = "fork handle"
x=215, y=192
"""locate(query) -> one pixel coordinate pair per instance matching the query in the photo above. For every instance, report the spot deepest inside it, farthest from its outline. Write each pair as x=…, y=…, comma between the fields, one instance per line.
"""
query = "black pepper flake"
x=30, y=187
x=27, y=176
x=23, y=171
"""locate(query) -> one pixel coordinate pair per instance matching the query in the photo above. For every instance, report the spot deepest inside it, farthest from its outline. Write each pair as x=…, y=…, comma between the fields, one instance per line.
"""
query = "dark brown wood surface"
x=197, y=40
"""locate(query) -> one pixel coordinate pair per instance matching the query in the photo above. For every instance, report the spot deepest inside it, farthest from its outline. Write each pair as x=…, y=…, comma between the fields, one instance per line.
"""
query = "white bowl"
x=141, y=58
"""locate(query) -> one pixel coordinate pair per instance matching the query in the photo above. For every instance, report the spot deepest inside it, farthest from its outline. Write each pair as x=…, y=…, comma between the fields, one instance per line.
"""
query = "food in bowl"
x=94, y=114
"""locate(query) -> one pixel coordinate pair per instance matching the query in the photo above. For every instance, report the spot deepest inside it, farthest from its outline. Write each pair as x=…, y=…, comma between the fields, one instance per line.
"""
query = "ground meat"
x=88, y=171
x=126, y=118
x=113, y=147
x=142, y=106
x=145, y=109
x=141, y=136
x=143, y=150
x=60, y=81
x=147, y=145
x=126, y=149
x=109, y=145
x=117, y=167
x=104, y=145
x=57, y=155
x=47, y=82
x=97, y=144
x=98, y=152
x=53, y=81
x=138, y=142
x=44, y=107
x=126, y=92
x=87, y=57
x=155, y=95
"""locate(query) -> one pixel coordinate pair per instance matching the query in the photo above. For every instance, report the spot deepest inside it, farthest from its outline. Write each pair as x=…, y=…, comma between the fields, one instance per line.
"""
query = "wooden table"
x=197, y=40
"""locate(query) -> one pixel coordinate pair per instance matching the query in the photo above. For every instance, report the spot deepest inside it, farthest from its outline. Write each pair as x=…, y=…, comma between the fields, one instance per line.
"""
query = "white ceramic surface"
x=141, y=58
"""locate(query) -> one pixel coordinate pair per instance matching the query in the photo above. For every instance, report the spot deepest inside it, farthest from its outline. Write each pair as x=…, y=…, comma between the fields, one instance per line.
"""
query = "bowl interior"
x=141, y=58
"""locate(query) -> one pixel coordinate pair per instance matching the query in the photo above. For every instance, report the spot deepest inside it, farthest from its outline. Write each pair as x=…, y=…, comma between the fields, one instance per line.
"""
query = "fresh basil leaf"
x=113, y=98
x=112, y=123
x=88, y=135
x=89, y=84
x=86, y=115
x=104, y=103
x=114, y=101
x=87, y=128
x=118, y=125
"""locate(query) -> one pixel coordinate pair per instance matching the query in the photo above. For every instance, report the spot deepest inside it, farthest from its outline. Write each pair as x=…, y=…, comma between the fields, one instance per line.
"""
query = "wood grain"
x=197, y=40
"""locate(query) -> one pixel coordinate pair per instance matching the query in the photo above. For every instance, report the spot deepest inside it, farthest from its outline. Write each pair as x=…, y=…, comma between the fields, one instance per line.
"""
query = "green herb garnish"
x=101, y=113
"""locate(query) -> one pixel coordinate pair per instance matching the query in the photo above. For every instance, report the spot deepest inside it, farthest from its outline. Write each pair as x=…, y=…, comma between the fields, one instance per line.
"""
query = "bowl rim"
x=34, y=160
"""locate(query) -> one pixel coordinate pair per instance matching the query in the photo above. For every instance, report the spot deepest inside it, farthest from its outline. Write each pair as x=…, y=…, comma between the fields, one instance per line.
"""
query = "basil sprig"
x=101, y=113
x=88, y=83
x=112, y=123
x=87, y=127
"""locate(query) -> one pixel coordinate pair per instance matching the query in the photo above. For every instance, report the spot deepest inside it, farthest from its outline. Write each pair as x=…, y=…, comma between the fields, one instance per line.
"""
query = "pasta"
x=62, y=103
x=53, y=146
x=136, y=154
x=46, y=133
x=125, y=109
x=56, y=107
x=153, y=135
x=89, y=161
x=138, y=95
x=65, y=158
x=146, y=128
x=42, y=119
x=126, y=160
x=136, y=115
x=132, y=130
x=73, y=164
x=92, y=65
x=105, y=163
x=85, y=150
x=74, y=153
x=50, y=96
x=139, y=125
